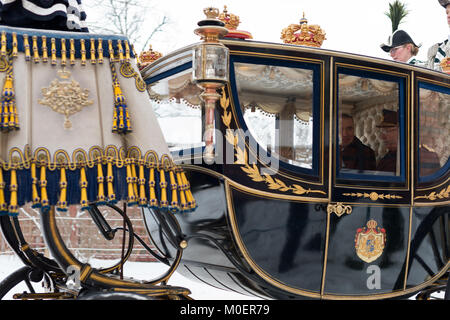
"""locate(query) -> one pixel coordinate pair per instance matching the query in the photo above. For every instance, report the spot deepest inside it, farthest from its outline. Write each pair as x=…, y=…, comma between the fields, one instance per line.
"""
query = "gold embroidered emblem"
x=370, y=242
x=65, y=97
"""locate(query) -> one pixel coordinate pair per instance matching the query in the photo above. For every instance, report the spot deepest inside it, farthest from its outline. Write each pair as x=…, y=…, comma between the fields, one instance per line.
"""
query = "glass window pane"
x=368, y=126
x=277, y=104
x=177, y=105
x=434, y=130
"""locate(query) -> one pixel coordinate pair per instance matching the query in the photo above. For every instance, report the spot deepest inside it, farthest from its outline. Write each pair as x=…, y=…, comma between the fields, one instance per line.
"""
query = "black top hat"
x=390, y=119
x=398, y=38
x=444, y=3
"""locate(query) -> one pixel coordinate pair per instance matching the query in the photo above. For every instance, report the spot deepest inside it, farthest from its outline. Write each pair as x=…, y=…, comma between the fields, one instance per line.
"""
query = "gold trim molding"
x=339, y=209
x=373, y=195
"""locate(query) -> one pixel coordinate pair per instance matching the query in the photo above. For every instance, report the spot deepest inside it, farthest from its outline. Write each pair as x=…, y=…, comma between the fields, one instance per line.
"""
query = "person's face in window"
x=401, y=53
x=347, y=131
x=390, y=137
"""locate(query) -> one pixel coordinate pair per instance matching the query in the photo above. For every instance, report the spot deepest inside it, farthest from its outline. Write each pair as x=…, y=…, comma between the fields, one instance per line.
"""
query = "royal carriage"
x=257, y=129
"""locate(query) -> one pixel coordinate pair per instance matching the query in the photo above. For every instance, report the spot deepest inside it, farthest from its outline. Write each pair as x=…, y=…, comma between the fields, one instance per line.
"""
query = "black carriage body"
x=295, y=230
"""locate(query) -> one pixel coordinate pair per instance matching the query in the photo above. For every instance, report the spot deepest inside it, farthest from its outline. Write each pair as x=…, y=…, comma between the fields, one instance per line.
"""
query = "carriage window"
x=277, y=104
x=369, y=136
x=177, y=106
x=434, y=130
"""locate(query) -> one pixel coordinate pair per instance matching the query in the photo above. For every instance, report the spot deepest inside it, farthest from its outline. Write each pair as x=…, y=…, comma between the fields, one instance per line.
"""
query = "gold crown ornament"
x=303, y=34
x=445, y=65
x=232, y=22
x=147, y=57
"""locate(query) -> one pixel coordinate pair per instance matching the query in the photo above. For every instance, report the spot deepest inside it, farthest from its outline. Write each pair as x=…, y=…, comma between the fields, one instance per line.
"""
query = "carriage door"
x=369, y=209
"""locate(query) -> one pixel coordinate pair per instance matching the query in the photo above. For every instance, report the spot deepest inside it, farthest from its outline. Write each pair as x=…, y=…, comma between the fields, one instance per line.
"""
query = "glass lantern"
x=210, y=63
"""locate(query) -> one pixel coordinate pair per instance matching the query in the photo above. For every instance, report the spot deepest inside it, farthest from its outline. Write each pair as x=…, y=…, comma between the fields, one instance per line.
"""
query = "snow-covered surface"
x=137, y=270
x=142, y=271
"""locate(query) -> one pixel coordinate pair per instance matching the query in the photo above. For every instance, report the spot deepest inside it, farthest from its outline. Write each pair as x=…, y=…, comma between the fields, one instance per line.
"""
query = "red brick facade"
x=82, y=236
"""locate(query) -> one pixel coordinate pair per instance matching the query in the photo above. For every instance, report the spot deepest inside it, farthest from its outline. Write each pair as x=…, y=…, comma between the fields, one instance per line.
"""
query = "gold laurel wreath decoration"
x=443, y=194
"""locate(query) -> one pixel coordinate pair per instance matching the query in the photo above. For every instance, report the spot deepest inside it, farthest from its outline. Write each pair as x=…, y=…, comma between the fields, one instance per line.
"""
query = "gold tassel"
x=100, y=179
x=12, y=115
x=135, y=179
x=127, y=51
x=111, y=51
x=181, y=188
x=138, y=61
x=153, y=202
x=127, y=118
x=62, y=203
x=44, y=49
x=109, y=180
x=114, y=125
x=121, y=119
x=100, y=51
x=189, y=197
x=3, y=44
x=43, y=185
x=36, y=57
x=63, y=52
x=120, y=48
x=34, y=182
x=13, y=208
x=7, y=99
x=83, y=52
x=9, y=118
x=141, y=182
x=83, y=185
x=26, y=45
x=93, y=58
x=131, y=195
x=121, y=123
x=15, y=51
x=163, y=185
x=173, y=185
x=53, y=51
x=72, y=52
x=3, y=205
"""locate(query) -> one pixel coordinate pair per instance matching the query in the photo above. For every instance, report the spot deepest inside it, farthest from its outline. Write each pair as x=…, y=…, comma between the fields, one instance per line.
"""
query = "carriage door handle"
x=339, y=208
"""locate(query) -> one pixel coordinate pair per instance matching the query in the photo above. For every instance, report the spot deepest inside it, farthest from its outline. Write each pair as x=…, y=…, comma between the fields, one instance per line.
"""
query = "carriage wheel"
x=25, y=274
x=440, y=290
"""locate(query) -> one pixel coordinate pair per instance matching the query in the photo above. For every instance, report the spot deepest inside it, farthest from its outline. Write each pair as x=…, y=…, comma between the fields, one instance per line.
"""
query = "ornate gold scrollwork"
x=339, y=209
x=127, y=71
x=65, y=97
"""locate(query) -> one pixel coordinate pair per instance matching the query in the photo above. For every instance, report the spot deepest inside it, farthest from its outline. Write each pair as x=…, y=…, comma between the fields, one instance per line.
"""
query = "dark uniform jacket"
x=388, y=163
x=429, y=161
x=358, y=156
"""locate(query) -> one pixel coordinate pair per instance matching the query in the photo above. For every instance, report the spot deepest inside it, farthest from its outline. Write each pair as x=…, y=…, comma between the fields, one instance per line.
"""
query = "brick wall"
x=82, y=236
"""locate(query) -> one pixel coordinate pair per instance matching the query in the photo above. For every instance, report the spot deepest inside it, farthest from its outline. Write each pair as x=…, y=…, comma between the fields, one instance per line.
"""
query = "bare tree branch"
x=129, y=18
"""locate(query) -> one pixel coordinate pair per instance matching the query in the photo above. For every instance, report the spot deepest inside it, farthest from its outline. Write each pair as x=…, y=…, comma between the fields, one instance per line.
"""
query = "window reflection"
x=177, y=105
x=368, y=126
x=434, y=130
x=277, y=104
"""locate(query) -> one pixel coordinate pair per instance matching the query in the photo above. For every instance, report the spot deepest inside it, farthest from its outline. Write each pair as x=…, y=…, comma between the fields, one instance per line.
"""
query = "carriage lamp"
x=210, y=70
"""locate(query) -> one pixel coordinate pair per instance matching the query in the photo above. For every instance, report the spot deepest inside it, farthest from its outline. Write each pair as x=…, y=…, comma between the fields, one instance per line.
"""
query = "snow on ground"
x=142, y=271
x=137, y=270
